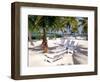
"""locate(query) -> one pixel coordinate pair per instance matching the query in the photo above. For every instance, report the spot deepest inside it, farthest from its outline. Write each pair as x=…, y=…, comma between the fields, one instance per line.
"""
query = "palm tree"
x=58, y=25
x=84, y=23
x=71, y=23
x=30, y=37
x=33, y=26
x=44, y=24
x=47, y=23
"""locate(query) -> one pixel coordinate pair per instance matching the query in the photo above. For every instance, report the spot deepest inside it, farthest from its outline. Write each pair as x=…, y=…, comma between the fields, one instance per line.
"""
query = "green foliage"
x=84, y=23
x=36, y=24
x=72, y=22
x=33, y=23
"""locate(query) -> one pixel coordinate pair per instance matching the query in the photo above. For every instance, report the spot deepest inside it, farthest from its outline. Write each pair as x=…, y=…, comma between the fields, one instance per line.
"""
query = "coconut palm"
x=30, y=37
x=84, y=23
x=71, y=23
x=44, y=24
x=58, y=25
x=32, y=26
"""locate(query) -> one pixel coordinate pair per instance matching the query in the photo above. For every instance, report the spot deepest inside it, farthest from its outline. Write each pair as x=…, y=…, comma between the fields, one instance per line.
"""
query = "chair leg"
x=70, y=51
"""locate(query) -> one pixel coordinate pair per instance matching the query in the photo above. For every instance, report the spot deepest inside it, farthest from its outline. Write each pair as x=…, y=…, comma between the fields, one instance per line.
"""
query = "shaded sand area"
x=36, y=57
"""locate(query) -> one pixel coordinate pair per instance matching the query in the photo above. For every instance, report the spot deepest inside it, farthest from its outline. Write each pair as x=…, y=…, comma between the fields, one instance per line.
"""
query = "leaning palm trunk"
x=86, y=38
x=30, y=37
x=44, y=42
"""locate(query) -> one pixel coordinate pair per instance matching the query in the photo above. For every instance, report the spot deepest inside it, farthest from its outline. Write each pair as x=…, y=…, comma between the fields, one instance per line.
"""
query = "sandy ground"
x=37, y=58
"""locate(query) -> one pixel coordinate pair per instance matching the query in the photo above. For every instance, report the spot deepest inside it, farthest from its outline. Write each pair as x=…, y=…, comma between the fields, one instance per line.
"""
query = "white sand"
x=37, y=58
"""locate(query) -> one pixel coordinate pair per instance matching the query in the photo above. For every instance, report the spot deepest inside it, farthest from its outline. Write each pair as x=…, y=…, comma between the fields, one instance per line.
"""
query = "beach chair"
x=73, y=46
x=54, y=57
x=63, y=42
x=60, y=42
x=61, y=47
x=58, y=53
x=69, y=46
x=67, y=43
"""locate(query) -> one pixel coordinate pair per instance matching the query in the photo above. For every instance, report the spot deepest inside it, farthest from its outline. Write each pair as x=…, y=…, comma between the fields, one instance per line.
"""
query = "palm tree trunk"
x=30, y=37
x=44, y=42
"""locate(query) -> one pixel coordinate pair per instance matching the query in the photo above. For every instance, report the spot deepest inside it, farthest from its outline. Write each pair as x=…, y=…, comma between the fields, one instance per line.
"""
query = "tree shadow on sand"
x=39, y=48
x=81, y=55
x=82, y=50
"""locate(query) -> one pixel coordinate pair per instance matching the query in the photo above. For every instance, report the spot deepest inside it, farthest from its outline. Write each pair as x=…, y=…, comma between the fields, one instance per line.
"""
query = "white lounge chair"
x=62, y=47
x=58, y=53
x=63, y=42
x=73, y=46
x=54, y=57
x=60, y=42
x=67, y=43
